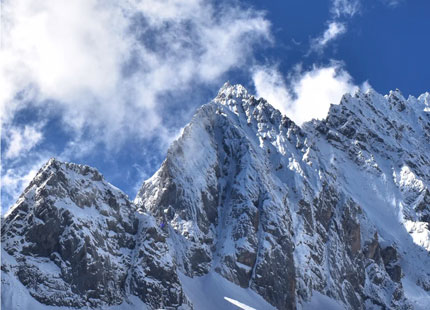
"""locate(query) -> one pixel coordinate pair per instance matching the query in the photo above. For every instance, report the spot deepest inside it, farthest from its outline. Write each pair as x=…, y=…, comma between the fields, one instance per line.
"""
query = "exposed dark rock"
x=279, y=209
x=390, y=258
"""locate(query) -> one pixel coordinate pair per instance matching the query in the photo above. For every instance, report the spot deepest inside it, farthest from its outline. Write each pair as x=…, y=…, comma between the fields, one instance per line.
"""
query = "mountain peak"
x=247, y=197
x=229, y=91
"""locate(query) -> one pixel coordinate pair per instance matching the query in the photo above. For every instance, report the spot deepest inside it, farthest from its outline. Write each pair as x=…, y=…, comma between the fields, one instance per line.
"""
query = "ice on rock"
x=335, y=213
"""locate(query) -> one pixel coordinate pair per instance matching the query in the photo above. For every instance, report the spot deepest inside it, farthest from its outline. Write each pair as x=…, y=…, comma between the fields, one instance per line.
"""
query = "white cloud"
x=270, y=85
x=317, y=89
x=21, y=140
x=64, y=48
x=334, y=30
x=309, y=93
x=104, y=65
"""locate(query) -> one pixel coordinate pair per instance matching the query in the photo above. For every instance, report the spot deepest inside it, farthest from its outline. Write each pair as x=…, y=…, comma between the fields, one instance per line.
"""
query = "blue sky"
x=111, y=85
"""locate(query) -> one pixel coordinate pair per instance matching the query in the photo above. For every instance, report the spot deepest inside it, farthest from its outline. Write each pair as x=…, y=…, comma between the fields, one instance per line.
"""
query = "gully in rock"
x=248, y=205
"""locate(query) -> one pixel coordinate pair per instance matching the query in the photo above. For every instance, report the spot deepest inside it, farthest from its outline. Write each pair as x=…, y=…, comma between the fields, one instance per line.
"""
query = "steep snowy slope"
x=227, y=211
x=380, y=147
x=247, y=206
x=287, y=211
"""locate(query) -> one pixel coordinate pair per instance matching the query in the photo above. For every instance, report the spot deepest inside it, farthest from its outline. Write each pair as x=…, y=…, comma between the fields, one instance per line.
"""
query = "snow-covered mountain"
x=247, y=209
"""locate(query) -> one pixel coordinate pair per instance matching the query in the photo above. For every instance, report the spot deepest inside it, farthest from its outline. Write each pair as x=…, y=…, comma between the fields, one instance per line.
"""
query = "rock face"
x=229, y=214
x=77, y=241
x=339, y=206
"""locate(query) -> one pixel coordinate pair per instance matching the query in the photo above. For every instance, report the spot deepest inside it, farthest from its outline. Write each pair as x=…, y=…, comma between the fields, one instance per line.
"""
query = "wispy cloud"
x=21, y=139
x=105, y=65
x=346, y=8
x=105, y=68
x=340, y=12
x=334, y=30
x=336, y=25
x=393, y=3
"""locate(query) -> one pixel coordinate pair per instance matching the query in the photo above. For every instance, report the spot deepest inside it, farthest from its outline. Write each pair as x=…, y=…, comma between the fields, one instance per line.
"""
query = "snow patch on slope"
x=320, y=301
x=208, y=292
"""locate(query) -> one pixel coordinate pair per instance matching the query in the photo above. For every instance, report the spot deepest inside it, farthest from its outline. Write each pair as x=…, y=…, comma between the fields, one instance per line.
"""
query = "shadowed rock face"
x=223, y=205
x=74, y=238
x=285, y=223
x=338, y=206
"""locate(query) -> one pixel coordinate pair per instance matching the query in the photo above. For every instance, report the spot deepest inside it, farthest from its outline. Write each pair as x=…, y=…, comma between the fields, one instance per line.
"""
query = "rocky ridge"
x=74, y=240
x=338, y=207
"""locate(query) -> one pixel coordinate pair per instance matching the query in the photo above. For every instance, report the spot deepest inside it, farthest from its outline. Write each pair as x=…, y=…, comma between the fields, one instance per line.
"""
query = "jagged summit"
x=74, y=240
x=236, y=95
x=54, y=165
x=58, y=175
x=229, y=91
x=236, y=132
x=247, y=205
